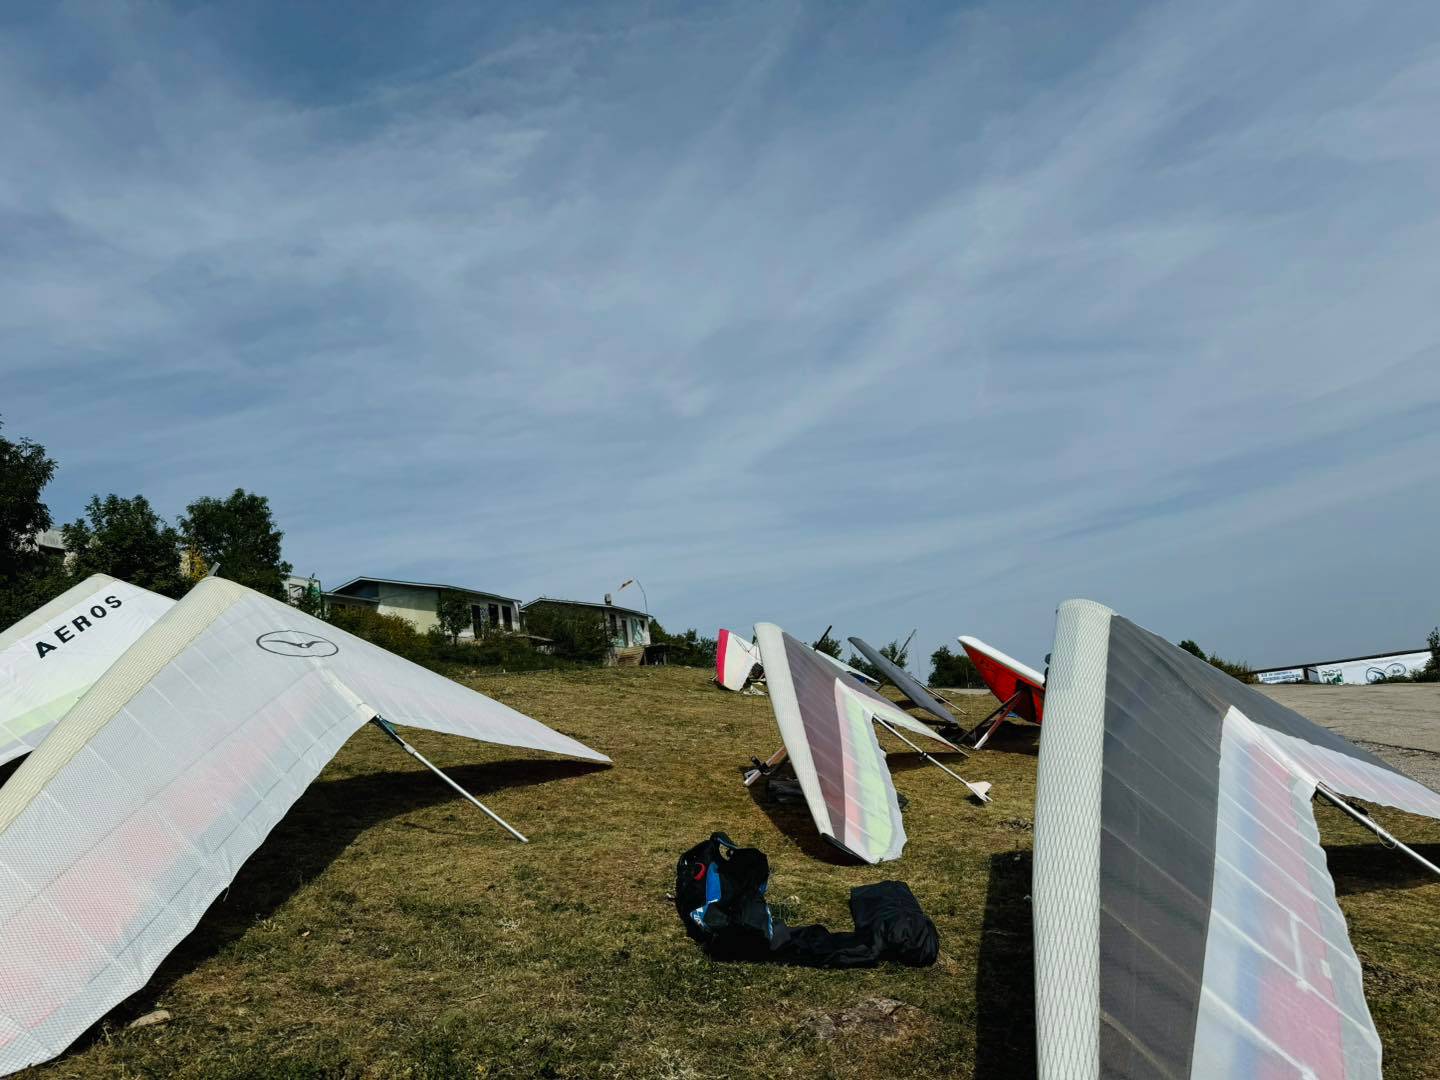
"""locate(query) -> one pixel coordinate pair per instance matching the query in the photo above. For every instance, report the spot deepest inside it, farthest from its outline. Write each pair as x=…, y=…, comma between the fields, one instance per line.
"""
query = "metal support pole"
x=1321, y=789
x=994, y=720
x=384, y=725
x=975, y=790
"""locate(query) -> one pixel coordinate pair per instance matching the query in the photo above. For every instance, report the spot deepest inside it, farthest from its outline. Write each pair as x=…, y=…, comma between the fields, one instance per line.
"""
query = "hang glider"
x=145, y=800
x=906, y=683
x=49, y=658
x=735, y=659
x=1185, y=921
x=1019, y=688
x=854, y=673
x=825, y=720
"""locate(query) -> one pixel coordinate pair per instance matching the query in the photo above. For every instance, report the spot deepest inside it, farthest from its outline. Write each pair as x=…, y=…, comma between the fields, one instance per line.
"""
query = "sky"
x=883, y=316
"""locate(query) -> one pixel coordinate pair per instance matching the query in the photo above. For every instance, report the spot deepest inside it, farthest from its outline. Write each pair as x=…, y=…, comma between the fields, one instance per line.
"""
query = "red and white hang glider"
x=1019, y=687
x=735, y=659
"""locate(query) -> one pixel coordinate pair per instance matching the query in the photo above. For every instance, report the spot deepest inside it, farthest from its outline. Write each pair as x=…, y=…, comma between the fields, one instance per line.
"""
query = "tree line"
x=125, y=538
x=236, y=537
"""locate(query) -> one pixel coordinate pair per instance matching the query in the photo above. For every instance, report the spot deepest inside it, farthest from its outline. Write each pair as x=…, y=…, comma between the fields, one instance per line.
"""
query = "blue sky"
x=876, y=315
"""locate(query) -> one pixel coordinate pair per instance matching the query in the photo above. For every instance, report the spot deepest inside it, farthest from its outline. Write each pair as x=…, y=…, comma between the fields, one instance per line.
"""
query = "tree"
x=126, y=539
x=688, y=649
x=452, y=610
x=1431, y=671
x=1193, y=649
x=574, y=634
x=239, y=534
x=29, y=578
x=312, y=600
x=953, y=669
x=827, y=644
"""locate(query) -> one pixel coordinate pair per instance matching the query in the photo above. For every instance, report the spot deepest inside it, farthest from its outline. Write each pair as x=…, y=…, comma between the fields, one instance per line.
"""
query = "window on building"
x=509, y=614
x=477, y=621
x=494, y=615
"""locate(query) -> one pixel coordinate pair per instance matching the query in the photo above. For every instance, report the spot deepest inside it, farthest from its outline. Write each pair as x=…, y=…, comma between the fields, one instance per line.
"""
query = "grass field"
x=387, y=929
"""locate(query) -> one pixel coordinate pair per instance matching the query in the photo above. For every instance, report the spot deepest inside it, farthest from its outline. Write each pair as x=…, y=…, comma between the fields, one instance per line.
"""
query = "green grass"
x=386, y=929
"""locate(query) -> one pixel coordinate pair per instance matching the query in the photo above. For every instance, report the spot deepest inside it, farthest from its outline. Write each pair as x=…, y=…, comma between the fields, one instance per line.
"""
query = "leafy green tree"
x=29, y=577
x=126, y=539
x=452, y=610
x=312, y=600
x=953, y=669
x=827, y=644
x=238, y=533
x=574, y=634
x=688, y=649
x=393, y=632
x=1431, y=671
x=1193, y=649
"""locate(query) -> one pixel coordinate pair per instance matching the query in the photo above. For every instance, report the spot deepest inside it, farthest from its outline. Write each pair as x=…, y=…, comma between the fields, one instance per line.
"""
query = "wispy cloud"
x=866, y=315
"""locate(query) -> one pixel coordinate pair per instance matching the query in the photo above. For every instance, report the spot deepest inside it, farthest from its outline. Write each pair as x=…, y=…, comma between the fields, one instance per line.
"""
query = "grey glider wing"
x=1185, y=921
x=903, y=681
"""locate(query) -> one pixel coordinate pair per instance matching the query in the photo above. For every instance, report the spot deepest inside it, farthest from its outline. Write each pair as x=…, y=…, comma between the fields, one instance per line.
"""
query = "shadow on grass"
x=794, y=820
x=1014, y=737
x=1365, y=868
x=314, y=832
x=1005, y=974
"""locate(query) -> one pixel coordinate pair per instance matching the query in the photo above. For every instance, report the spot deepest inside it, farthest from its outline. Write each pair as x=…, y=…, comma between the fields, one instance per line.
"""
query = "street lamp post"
x=636, y=583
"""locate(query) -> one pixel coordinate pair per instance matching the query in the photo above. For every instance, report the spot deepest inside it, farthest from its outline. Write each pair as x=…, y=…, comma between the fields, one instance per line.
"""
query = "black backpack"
x=720, y=897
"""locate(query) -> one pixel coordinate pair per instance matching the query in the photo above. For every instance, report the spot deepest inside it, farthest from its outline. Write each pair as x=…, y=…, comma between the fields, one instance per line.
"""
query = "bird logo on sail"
x=296, y=643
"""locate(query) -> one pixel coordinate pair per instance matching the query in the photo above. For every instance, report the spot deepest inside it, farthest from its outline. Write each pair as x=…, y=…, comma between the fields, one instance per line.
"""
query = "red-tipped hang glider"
x=1019, y=688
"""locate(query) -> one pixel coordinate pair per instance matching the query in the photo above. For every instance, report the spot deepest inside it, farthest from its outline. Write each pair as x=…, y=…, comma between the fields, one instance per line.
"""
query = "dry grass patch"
x=387, y=929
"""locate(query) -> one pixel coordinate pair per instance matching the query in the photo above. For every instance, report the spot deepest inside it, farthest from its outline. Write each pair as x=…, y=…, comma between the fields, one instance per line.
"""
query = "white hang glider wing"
x=1185, y=921
x=49, y=658
x=118, y=832
x=826, y=721
x=735, y=658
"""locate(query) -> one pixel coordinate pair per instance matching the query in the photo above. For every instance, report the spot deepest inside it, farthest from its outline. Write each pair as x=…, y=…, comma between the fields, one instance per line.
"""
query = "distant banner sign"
x=1372, y=669
x=1286, y=675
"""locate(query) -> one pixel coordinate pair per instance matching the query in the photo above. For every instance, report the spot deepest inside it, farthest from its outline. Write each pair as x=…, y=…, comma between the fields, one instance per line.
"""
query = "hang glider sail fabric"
x=735, y=658
x=49, y=658
x=1008, y=678
x=854, y=673
x=1185, y=920
x=903, y=681
x=827, y=722
x=145, y=800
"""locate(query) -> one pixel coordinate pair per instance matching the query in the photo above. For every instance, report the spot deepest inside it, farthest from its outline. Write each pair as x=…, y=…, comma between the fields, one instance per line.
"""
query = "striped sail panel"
x=138, y=810
x=825, y=720
x=903, y=681
x=1216, y=946
x=52, y=656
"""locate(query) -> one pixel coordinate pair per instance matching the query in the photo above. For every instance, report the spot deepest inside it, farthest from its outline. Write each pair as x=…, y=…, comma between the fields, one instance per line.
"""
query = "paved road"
x=1398, y=723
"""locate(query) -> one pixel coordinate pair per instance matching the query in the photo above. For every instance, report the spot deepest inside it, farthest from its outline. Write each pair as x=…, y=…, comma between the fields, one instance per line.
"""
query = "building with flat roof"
x=416, y=601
